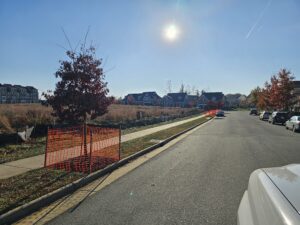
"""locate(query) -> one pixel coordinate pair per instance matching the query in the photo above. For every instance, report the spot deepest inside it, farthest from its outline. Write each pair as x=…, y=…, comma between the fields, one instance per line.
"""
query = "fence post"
x=91, y=148
x=120, y=142
x=46, y=148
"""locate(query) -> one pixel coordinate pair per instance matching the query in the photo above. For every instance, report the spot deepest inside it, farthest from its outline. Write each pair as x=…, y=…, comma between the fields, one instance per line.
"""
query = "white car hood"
x=287, y=180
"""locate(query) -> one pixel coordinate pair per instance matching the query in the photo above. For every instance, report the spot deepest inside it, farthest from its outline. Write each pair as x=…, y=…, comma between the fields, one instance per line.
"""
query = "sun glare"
x=171, y=32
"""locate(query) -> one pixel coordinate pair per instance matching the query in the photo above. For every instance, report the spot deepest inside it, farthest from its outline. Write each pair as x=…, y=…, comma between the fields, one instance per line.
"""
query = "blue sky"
x=230, y=45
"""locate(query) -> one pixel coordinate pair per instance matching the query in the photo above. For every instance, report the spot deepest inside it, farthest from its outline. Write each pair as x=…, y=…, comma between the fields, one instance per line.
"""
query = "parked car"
x=272, y=197
x=220, y=113
x=264, y=115
x=253, y=111
x=293, y=123
x=278, y=117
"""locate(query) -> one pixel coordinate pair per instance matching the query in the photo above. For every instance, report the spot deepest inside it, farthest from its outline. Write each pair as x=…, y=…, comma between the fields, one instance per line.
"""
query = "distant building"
x=169, y=100
x=177, y=99
x=145, y=98
x=180, y=100
x=211, y=100
x=18, y=94
x=234, y=100
x=207, y=100
x=191, y=101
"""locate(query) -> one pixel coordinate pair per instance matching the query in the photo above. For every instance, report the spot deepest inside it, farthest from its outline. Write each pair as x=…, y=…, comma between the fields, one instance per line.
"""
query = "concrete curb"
x=28, y=208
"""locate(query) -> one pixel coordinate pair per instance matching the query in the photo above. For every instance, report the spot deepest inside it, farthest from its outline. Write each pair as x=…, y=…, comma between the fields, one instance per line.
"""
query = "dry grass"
x=17, y=116
x=118, y=113
x=5, y=124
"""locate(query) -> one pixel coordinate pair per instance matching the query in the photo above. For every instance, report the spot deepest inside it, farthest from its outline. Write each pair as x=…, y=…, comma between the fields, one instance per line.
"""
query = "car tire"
x=286, y=127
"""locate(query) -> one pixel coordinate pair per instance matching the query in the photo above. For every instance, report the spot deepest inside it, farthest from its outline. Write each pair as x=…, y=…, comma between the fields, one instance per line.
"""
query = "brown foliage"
x=117, y=113
x=81, y=90
x=17, y=116
x=278, y=94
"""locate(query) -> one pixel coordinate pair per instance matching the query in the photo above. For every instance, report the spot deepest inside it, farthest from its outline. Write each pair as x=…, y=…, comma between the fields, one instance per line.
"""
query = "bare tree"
x=182, y=90
x=169, y=86
x=188, y=89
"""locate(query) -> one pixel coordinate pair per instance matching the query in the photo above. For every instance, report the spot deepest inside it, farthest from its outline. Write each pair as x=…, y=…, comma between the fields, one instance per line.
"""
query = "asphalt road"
x=200, y=180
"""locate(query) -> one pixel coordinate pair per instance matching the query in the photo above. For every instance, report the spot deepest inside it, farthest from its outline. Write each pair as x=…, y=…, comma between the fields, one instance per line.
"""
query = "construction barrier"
x=212, y=112
x=82, y=148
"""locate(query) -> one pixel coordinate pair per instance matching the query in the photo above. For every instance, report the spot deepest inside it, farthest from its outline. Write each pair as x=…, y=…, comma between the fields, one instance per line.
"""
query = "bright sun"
x=171, y=32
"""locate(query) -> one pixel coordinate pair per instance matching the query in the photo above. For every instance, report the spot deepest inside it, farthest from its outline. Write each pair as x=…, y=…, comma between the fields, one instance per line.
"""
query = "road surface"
x=200, y=180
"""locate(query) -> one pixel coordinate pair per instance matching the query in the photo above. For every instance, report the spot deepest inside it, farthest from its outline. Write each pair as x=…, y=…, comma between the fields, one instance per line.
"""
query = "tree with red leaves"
x=281, y=91
x=285, y=87
x=263, y=101
x=274, y=92
x=81, y=92
x=278, y=94
x=254, y=95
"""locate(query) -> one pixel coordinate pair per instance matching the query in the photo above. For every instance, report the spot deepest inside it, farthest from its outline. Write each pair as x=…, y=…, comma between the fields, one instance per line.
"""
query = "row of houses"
x=18, y=94
x=205, y=100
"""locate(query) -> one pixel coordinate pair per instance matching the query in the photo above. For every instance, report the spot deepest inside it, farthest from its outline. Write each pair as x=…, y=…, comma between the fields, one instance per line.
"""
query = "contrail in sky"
x=261, y=15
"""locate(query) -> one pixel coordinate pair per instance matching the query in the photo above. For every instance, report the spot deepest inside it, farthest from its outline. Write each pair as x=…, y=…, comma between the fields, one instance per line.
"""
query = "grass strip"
x=131, y=147
x=12, y=152
x=21, y=189
x=135, y=129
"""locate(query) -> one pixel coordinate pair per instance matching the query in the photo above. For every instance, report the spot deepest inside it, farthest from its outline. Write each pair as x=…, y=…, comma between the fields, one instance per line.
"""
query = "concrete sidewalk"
x=24, y=165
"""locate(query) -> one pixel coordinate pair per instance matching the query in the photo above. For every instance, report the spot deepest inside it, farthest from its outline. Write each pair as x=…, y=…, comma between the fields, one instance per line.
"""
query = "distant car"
x=220, y=113
x=293, y=123
x=264, y=115
x=272, y=197
x=278, y=117
x=253, y=112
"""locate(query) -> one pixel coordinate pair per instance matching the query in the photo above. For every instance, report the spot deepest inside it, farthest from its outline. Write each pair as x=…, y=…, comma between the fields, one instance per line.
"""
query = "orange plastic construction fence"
x=82, y=149
x=212, y=113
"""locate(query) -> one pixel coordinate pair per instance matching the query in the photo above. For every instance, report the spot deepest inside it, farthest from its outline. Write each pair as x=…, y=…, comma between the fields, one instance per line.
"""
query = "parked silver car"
x=272, y=198
x=293, y=123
